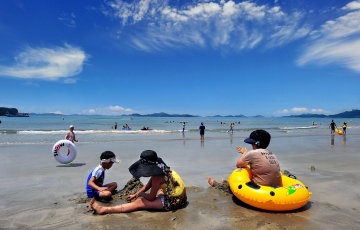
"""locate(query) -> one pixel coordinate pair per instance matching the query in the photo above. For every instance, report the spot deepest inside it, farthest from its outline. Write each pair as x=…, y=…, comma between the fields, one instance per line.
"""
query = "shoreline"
x=41, y=193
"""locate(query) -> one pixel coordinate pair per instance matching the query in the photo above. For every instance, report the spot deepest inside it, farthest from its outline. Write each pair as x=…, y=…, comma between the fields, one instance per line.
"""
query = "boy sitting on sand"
x=94, y=184
x=264, y=166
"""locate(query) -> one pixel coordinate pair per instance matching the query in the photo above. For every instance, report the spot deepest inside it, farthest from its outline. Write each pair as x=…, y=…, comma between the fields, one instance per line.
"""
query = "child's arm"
x=154, y=184
x=241, y=163
x=92, y=184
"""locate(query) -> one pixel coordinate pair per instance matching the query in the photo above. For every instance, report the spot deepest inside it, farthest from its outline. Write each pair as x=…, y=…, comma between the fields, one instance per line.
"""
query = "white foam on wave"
x=94, y=131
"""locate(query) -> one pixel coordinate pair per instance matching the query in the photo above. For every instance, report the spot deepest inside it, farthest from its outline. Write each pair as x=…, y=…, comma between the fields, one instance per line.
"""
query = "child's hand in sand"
x=130, y=197
x=241, y=150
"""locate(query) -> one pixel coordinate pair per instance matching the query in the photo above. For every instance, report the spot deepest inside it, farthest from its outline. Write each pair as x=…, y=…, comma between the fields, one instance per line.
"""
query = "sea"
x=48, y=129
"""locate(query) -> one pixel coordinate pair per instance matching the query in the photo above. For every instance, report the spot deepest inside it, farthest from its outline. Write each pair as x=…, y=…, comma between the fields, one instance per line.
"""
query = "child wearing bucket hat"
x=172, y=194
x=263, y=163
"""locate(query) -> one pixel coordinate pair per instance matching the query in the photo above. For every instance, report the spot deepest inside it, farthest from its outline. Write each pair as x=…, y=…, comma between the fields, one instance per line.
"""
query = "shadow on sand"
x=71, y=165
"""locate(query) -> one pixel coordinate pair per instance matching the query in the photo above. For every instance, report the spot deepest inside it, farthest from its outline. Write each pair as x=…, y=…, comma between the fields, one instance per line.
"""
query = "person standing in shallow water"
x=70, y=136
x=202, y=131
x=332, y=126
x=344, y=127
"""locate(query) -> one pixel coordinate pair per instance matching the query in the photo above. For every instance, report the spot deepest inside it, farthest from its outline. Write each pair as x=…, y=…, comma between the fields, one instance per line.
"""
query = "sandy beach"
x=40, y=193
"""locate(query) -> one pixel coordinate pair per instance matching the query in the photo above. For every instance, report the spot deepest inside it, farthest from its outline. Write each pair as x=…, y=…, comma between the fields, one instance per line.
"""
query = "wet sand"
x=37, y=192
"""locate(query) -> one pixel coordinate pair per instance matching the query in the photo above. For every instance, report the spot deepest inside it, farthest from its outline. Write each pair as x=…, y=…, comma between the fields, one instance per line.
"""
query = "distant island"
x=161, y=114
x=230, y=116
x=355, y=113
x=4, y=111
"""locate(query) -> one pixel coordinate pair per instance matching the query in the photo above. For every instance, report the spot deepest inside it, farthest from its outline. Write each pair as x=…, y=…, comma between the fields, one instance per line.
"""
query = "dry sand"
x=39, y=193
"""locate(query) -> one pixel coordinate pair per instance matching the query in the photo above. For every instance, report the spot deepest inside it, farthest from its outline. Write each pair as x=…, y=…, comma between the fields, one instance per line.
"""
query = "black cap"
x=260, y=138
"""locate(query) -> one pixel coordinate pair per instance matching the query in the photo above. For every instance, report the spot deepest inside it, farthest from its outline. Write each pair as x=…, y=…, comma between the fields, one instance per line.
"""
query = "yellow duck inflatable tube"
x=292, y=195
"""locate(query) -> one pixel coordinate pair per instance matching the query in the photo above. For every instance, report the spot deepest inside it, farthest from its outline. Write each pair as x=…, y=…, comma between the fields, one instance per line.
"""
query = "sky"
x=205, y=58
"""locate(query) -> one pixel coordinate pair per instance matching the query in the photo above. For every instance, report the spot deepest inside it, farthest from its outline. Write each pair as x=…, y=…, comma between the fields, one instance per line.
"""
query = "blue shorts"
x=93, y=193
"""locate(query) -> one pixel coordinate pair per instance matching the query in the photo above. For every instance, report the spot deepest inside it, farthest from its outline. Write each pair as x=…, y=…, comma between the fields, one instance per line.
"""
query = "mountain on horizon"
x=355, y=113
x=161, y=114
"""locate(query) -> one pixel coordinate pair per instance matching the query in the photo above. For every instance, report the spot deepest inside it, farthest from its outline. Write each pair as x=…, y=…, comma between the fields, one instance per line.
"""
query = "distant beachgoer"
x=263, y=164
x=115, y=126
x=95, y=186
x=231, y=127
x=332, y=126
x=183, y=127
x=344, y=127
x=167, y=189
x=202, y=131
x=71, y=137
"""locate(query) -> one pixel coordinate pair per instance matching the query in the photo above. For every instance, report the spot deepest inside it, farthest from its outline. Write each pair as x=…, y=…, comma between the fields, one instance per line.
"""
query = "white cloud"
x=355, y=5
x=110, y=110
x=242, y=25
x=337, y=41
x=299, y=110
x=317, y=111
x=57, y=112
x=119, y=108
x=46, y=63
x=68, y=19
x=69, y=81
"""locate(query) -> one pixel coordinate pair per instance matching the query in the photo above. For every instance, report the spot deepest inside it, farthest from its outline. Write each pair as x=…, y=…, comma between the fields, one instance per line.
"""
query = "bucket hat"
x=148, y=165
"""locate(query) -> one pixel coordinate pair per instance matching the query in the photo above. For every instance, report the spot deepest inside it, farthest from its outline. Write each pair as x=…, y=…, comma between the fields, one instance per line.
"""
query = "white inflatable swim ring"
x=64, y=159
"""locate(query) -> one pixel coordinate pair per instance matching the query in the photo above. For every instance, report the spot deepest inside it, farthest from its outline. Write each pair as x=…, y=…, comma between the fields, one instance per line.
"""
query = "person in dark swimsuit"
x=332, y=126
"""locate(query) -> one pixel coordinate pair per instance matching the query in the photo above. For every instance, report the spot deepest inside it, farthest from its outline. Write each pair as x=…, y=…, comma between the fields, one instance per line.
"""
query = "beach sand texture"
x=39, y=193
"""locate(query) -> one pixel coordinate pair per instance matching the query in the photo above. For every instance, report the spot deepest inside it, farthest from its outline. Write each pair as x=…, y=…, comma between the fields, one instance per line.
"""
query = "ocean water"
x=48, y=129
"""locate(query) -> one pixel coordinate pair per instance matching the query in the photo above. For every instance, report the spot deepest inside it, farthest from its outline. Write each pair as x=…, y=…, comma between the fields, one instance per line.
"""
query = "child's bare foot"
x=95, y=206
x=211, y=181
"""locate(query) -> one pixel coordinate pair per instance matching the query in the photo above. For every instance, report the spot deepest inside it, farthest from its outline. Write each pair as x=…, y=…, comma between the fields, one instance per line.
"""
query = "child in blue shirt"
x=95, y=182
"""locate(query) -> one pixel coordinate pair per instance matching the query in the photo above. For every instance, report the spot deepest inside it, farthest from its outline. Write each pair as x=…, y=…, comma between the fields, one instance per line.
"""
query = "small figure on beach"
x=231, y=127
x=115, y=125
x=167, y=189
x=202, y=131
x=332, y=126
x=263, y=163
x=71, y=137
x=95, y=187
x=344, y=127
x=183, y=127
x=126, y=127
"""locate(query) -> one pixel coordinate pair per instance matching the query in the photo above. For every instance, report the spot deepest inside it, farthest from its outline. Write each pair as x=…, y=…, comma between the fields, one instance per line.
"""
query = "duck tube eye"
x=253, y=185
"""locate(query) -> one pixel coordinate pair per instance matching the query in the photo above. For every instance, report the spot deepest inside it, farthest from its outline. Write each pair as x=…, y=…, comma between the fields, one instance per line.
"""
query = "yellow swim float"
x=292, y=195
x=338, y=131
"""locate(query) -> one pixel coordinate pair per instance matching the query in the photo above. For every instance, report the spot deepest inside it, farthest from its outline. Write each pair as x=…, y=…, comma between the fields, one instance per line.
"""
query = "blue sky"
x=113, y=57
